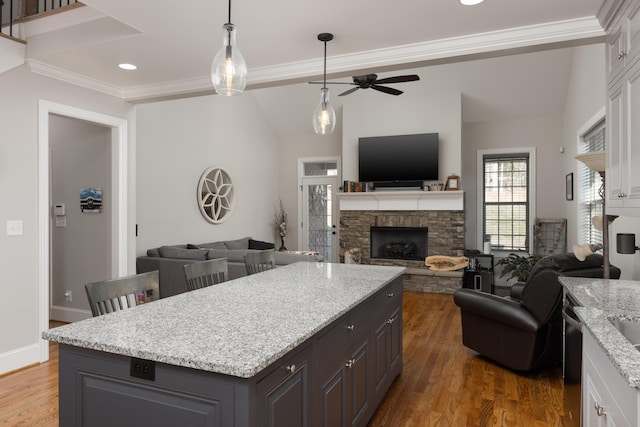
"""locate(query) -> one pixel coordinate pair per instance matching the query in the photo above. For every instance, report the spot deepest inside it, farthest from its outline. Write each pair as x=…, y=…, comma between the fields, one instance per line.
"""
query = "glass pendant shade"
x=324, y=117
x=228, y=70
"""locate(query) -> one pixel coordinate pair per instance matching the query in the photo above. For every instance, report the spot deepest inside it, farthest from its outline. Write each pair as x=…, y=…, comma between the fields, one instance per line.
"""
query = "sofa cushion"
x=260, y=245
x=238, y=244
x=567, y=262
x=232, y=255
x=183, y=253
x=211, y=245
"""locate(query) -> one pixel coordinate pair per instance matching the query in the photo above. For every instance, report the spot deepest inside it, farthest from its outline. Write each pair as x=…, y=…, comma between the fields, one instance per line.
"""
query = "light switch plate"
x=15, y=228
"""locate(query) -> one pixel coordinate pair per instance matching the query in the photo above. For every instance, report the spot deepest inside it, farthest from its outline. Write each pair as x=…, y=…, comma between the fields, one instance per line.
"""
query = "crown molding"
x=425, y=52
x=608, y=11
x=64, y=75
x=417, y=54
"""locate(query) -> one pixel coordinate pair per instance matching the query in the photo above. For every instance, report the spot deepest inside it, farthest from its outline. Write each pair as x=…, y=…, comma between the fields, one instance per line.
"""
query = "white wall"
x=374, y=114
x=586, y=98
x=290, y=150
x=80, y=251
x=544, y=133
x=21, y=91
x=177, y=140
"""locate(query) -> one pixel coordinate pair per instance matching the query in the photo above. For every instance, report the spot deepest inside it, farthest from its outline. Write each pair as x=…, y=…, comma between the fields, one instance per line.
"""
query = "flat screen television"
x=398, y=160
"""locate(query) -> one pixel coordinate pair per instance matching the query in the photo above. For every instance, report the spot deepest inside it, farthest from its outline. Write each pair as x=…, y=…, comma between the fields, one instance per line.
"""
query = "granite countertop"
x=602, y=300
x=238, y=327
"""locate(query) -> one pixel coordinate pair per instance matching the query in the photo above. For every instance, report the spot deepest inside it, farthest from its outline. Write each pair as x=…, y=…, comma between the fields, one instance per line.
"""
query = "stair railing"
x=14, y=11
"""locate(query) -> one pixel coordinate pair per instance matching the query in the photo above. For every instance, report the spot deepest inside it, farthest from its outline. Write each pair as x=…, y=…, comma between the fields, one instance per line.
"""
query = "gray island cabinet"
x=309, y=344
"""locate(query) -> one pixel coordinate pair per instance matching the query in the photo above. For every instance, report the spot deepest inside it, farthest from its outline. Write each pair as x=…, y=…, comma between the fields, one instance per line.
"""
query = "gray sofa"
x=170, y=260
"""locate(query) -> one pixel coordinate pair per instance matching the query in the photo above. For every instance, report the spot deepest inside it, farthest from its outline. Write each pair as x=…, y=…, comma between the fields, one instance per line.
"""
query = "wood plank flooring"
x=442, y=384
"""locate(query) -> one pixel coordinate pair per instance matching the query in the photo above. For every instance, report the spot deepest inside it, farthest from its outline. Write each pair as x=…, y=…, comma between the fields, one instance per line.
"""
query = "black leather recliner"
x=524, y=331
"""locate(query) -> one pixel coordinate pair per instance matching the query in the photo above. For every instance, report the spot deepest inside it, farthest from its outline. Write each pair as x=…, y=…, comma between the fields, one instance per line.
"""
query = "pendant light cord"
x=229, y=21
x=324, y=84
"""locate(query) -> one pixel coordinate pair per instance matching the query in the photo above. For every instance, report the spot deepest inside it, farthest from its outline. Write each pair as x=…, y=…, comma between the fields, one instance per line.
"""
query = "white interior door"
x=320, y=216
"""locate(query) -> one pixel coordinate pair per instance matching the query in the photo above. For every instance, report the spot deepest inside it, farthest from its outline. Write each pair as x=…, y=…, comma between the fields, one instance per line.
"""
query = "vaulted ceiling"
x=173, y=43
x=511, y=58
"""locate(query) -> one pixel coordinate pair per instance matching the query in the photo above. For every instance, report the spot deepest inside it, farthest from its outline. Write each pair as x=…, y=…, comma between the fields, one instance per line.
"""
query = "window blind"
x=589, y=184
x=506, y=201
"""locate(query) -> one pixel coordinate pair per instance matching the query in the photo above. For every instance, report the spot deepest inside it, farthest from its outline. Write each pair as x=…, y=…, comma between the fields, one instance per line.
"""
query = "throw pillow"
x=153, y=252
x=260, y=245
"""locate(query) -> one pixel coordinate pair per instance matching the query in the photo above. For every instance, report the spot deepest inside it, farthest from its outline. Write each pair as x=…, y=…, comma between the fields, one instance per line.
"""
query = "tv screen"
x=399, y=158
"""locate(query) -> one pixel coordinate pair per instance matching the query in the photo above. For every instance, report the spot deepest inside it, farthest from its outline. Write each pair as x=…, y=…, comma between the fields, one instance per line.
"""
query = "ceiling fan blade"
x=399, y=79
x=388, y=90
x=331, y=83
x=353, y=89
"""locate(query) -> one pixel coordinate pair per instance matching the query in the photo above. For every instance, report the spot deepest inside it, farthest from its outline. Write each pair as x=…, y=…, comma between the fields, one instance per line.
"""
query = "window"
x=506, y=213
x=589, y=185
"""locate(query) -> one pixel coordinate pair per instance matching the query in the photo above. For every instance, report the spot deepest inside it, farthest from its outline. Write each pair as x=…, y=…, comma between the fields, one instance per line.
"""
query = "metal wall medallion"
x=215, y=195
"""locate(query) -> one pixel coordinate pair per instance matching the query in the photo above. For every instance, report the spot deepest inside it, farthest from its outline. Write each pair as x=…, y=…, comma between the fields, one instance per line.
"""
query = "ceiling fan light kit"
x=324, y=116
x=228, y=69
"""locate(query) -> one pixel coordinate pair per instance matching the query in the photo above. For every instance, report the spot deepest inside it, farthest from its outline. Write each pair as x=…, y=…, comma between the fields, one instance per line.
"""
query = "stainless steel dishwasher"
x=572, y=341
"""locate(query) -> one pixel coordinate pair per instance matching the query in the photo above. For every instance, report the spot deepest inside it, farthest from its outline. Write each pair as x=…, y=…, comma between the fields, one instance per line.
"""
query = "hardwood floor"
x=443, y=383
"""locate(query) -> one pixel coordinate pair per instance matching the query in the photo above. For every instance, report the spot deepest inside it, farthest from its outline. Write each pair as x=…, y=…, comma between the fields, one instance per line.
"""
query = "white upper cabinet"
x=623, y=110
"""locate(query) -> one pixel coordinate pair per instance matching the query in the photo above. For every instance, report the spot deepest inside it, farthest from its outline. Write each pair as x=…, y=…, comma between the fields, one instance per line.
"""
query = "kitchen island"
x=305, y=344
x=610, y=362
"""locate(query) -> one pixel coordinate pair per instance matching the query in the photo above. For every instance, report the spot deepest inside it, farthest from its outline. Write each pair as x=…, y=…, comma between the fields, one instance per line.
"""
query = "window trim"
x=531, y=151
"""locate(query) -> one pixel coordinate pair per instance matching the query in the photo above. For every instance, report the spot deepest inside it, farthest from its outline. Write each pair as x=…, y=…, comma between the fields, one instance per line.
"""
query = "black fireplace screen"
x=409, y=243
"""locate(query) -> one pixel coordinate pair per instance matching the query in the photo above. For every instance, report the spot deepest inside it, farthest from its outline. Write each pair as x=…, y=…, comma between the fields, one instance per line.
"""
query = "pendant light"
x=228, y=69
x=324, y=118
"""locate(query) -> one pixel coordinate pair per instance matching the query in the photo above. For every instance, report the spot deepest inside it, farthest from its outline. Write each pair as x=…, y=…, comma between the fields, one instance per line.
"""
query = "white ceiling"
x=173, y=43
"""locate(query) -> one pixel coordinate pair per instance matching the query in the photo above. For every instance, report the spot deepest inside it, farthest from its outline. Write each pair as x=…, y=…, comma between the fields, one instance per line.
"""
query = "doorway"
x=119, y=223
x=319, y=183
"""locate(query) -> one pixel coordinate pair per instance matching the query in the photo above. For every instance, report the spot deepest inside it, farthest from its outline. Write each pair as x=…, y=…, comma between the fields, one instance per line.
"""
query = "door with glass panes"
x=320, y=209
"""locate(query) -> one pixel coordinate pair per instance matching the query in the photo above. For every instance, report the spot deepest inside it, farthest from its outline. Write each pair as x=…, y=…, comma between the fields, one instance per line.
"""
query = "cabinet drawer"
x=388, y=297
x=345, y=331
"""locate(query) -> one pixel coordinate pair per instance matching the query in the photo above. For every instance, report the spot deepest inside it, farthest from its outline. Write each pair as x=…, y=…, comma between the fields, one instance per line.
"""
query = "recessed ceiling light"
x=127, y=66
x=470, y=2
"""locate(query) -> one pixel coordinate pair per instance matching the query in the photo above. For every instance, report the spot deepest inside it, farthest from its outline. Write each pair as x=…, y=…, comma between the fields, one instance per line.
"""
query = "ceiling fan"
x=371, y=81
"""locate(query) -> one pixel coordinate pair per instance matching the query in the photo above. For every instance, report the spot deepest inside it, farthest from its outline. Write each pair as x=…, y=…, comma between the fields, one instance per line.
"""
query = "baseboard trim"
x=19, y=358
x=69, y=315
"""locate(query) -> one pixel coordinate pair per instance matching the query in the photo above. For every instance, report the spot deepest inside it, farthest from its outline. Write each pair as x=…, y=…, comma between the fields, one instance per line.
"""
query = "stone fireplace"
x=436, y=215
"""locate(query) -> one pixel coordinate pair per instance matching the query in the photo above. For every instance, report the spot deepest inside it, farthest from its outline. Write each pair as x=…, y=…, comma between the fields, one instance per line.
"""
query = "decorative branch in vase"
x=280, y=226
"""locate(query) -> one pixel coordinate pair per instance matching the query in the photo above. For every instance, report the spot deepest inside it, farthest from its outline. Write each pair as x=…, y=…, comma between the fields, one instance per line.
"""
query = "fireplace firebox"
x=408, y=243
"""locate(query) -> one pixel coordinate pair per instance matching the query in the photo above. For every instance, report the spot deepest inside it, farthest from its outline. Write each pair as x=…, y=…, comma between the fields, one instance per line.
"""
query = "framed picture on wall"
x=91, y=199
x=569, y=186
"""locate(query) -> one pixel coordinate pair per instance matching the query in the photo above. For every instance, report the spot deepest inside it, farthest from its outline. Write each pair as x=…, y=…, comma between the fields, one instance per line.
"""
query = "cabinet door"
x=395, y=337
x=615, y=136
x=633, y=34
x=615, y=53
x=632, y=154
x=357, y=382
x=282, y=396
x=333, y=400
x=592, y=402
x=388, y=349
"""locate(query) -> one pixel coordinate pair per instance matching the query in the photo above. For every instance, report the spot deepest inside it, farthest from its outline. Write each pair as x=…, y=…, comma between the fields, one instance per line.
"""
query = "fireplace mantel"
x=402, y=201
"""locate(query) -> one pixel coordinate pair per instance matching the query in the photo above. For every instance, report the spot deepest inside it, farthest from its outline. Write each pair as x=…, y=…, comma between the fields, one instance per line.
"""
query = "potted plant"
x=518, y=266
x=280, y=225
